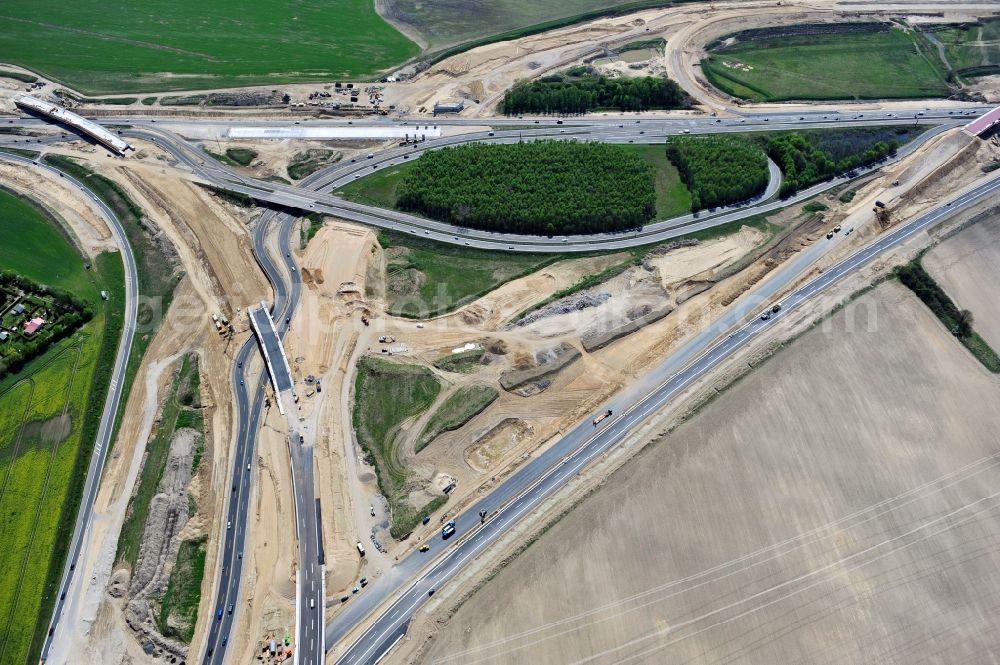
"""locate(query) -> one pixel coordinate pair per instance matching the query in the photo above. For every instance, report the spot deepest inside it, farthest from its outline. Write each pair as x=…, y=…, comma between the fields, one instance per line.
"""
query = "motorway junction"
x=281, y=288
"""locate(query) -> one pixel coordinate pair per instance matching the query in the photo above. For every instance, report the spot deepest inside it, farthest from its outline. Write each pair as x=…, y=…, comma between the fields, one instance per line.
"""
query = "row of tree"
x=959, y=321
x=718, y=170
x=550, y=187
x=803, y=163
x=556, y=94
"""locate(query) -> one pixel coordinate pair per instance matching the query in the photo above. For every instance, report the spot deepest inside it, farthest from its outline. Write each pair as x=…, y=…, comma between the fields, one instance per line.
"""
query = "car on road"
x=363, y=582
x=225, y=640
x=836, y=229
x=829, y=235
x=241, y=382
x=231, y=608
x=424, y=548
x=431, y=592
x=776, y=308
x=765, y=316
x=344, y=599
x=449, y=530
x=218, y=614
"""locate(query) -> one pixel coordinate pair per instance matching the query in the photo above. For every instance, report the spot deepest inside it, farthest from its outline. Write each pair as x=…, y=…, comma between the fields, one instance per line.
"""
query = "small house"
x=18, y=310
x=31, y=327
x=4, y=335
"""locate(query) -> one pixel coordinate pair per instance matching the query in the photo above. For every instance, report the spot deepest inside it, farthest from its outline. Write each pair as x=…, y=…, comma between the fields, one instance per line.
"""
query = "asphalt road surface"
x=70, y=586
x=250, y=393
x=541, y=477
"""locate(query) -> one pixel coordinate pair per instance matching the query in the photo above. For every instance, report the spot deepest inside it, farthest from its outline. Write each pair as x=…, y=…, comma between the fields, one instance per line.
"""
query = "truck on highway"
x=598, y=419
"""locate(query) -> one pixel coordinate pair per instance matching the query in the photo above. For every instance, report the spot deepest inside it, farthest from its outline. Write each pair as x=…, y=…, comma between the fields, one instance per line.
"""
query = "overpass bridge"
x=274, y=352
x=79, y=123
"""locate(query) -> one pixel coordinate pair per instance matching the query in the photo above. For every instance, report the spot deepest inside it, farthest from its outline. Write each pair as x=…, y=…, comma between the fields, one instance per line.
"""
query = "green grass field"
x=48, y=417
x=379, y=188
x=878, y=65
x=155, y=45
x=460, y=407
x=386, y=394
x=452, y=275
x=53, y=260
x=672, y=197
x=971, y=46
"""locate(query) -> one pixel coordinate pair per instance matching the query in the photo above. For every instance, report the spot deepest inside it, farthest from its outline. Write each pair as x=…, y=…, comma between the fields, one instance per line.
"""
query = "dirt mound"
x=406, y=282
x=638, y=317
x=503, y=437
x=573, y=303
x=169, y=511
x=497, y=347
x=473, y=315
x=547, y=362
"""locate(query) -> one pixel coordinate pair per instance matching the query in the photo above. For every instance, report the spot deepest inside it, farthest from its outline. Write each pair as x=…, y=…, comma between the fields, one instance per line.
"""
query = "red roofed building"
x=32, y=326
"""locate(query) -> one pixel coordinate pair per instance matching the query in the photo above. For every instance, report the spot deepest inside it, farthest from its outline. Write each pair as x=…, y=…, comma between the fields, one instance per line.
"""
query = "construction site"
x=412, y=421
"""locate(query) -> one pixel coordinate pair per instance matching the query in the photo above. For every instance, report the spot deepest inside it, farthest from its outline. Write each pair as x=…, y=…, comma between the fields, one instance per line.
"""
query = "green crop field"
x=47, y=423
x=862, y=65
x=155, y=45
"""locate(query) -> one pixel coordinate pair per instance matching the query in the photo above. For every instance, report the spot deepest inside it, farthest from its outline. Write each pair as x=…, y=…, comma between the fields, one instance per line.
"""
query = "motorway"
x=204, y=167
x=548, y=472
x=103, y=441
x=614, y=130
x=250, y=392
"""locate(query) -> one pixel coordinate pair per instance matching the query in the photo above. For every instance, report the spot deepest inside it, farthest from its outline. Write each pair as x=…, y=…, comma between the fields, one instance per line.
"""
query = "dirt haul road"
x=210, y=240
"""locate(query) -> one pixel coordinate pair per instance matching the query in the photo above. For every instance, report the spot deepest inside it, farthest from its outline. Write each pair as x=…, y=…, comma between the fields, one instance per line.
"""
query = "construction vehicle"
x=598, y=419
x=882, y=214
